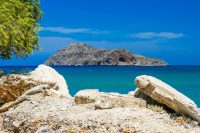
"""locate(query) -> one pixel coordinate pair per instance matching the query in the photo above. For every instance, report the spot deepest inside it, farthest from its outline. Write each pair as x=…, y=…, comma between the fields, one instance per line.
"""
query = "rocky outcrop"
x=43, y=108
x=47, y=74
x=167, y=95
x=53, y=113
x=82, y=54
x=46, y=89
x=14, y=85
x=59, y=114
x=102, y=100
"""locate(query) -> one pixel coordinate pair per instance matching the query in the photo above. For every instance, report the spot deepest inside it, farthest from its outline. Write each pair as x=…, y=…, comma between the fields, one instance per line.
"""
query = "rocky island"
x=83, y=54
x=40, y=102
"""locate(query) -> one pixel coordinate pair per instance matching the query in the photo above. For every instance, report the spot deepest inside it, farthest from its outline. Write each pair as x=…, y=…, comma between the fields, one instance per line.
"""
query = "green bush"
x=19, y=27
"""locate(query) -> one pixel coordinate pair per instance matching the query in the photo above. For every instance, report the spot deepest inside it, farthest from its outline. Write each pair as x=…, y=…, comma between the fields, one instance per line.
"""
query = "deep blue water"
x=185, y=79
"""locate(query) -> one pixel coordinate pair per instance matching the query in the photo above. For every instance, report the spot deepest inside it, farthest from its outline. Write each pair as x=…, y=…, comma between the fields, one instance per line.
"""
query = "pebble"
x=194, y=123
x=186, y=126
x=173, y=116
x=44, y=129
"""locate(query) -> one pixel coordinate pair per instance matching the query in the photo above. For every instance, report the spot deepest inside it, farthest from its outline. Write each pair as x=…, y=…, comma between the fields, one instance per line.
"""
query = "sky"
x=166, y=29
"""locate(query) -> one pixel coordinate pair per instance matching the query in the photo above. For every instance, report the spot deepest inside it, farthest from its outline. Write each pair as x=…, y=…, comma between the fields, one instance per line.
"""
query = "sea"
x=185, y=79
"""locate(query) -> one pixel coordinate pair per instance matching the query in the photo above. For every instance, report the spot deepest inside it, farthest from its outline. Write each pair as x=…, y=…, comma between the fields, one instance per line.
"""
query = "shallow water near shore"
x=185, y=79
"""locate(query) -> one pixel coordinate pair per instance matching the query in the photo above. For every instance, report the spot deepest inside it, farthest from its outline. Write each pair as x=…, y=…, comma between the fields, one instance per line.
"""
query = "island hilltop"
x=83, y=55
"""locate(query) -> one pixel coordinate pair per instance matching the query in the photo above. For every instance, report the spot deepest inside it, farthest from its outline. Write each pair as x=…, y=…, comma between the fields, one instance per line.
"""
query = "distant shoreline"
x=107, y=66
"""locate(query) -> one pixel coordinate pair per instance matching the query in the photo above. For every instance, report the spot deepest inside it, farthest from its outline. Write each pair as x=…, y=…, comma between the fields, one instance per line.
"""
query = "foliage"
x=19, y=27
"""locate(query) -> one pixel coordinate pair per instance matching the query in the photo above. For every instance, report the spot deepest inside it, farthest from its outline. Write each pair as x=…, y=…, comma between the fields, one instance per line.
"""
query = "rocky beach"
x=40, y=102
x=78, y=66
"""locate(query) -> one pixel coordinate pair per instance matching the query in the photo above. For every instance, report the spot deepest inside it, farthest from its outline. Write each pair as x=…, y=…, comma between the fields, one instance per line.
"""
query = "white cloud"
x=152, y=35
x=65, y=30
x=73, y=30
x=99, y=32
x=51, y=45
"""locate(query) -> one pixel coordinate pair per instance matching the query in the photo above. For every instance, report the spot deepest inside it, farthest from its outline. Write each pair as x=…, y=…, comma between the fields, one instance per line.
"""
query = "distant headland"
x=81, y=54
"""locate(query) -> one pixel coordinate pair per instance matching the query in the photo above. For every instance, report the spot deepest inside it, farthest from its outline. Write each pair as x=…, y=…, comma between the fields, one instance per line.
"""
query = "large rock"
x=107, y=100
x=47, y=74
x=52, y=113
x=14, y=85
x=167, y=95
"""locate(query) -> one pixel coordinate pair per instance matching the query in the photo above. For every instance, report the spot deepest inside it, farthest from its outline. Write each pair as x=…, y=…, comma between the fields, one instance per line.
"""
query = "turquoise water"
x=185, y=79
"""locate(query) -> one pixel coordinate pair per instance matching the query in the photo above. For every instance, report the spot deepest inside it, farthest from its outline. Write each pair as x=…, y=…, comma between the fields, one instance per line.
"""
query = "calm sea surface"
x=185, y=79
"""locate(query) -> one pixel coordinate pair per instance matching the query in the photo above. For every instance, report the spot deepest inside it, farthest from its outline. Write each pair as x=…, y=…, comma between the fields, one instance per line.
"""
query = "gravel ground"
x=60, y=115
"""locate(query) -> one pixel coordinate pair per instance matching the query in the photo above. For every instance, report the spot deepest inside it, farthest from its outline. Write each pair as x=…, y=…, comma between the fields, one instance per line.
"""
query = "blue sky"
x=166, y=29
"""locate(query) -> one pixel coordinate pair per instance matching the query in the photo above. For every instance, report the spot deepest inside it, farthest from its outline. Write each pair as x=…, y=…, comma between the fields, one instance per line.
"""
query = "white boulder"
x=47, y=74
x=167, y=95
x=103, y=100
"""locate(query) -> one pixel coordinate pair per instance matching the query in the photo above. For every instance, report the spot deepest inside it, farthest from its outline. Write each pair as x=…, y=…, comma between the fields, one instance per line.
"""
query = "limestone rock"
x=44, y=129
x=42, y=109
x=107, y=100
x=131, y=93
x=14, y=85
x=167, y=95
x=83, y=54
x=59, y=114
x=47, y=74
